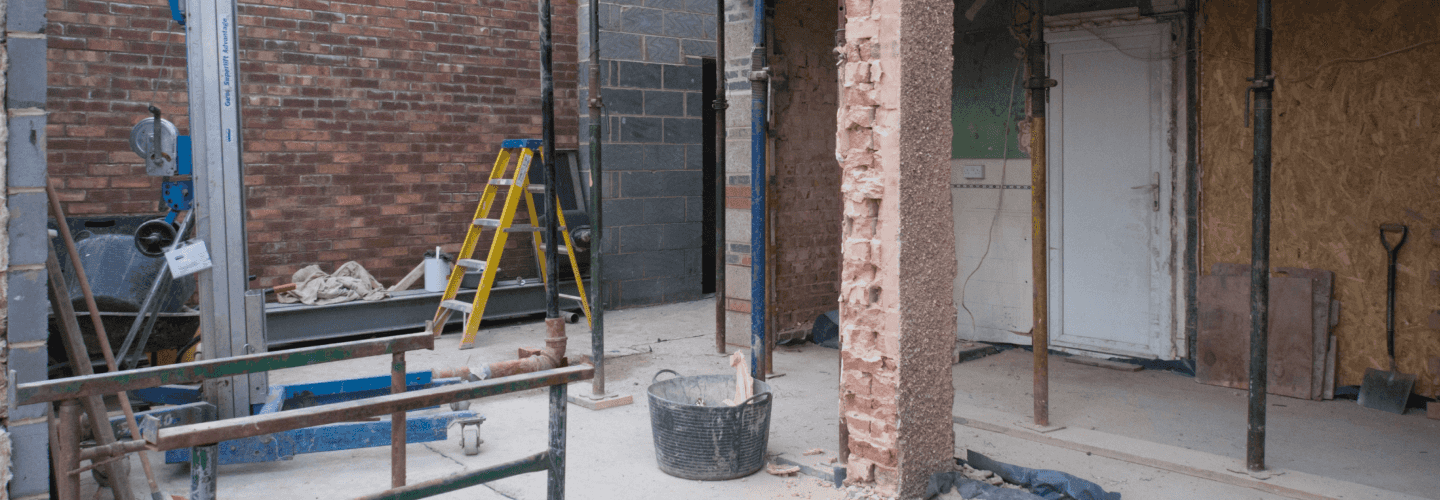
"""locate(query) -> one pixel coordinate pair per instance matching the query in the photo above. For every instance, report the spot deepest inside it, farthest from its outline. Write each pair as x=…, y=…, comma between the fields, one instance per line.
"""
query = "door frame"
x=1170, y=237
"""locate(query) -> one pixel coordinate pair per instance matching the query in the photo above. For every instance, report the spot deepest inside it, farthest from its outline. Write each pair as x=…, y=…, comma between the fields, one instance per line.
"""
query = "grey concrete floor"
x=610, y=455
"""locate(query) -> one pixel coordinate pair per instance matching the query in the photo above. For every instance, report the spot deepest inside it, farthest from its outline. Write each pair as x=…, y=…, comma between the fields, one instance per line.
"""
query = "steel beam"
x=184, y=373
x=237, y=428
x=532, y=463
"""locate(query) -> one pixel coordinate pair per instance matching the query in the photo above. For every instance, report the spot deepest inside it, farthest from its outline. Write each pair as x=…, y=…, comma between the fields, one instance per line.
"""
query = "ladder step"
x=472, y=264
x=570, y=297
x=533, y=188
x=455, y=305
x=523, y=228
x=487, y=222
x=563, y=249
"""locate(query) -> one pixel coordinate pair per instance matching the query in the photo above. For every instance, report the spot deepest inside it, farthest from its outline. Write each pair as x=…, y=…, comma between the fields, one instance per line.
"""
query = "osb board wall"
x=806, y=189
x=1356, y=144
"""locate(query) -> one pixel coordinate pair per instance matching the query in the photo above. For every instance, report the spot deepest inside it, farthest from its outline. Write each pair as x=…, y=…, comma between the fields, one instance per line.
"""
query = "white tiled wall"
x=998, y=294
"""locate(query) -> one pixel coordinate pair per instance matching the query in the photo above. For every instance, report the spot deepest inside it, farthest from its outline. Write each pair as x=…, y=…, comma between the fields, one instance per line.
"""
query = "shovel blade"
x=1385, y=390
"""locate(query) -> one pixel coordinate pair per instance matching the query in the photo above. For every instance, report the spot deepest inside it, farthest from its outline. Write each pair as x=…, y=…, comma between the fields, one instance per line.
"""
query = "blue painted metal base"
x=333, y=437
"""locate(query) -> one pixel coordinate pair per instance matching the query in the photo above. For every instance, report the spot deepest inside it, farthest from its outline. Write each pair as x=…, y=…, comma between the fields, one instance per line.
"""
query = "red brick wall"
x=807, y=214
x=370, y=125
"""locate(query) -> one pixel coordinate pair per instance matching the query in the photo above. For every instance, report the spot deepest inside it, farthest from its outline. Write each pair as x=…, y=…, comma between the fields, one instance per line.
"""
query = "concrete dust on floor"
x=610, y=453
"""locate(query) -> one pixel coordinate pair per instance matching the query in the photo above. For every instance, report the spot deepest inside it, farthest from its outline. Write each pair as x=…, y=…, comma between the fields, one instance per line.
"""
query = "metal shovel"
x=1388, y=390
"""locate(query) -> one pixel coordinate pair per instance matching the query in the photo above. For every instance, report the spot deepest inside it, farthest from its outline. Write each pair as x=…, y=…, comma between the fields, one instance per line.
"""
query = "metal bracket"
x=1267, y=83
x=1040, y=83
x=760, y=76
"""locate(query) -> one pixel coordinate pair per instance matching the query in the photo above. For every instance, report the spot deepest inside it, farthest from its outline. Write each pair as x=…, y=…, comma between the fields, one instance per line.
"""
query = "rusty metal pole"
x=1039, y=85
x=597, y=227
x=720, y=105
x=1262, y=84
x=67, y=450
x=398, y=422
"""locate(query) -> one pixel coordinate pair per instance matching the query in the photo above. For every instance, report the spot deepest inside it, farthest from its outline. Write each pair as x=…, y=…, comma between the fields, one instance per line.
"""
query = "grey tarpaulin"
x=350, y=282
x=1047, y=484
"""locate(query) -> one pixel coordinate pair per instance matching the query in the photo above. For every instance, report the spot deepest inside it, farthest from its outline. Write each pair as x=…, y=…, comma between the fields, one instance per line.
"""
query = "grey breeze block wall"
x=24, y=242
x=651, y=80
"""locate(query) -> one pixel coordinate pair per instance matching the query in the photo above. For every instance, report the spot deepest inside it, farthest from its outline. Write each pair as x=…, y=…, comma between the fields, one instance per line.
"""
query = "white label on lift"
x=188, y=258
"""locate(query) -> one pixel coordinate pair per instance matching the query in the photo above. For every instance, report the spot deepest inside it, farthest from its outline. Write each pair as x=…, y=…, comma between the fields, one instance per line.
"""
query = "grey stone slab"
x=683, y=131
x=696, y=103
x=640, y=75
x=642, y=20
x=671, y=263
x=683, y=235
x=622, y=46
x=30, y=445
x=29, y=239
x=643, y=238
x=695, y=208
x=660, y=49
x=27, y=151
x=623, y=101
x=641, y=292
x=621, y=157
x=690, y=78
x=29, y=306
x=686, y=24
x=610, y=242
x=666, y=210
x=684, y=289
x=666, y=4
x=664, y=157
x=26, y=85
x=610, y=17
x=26, y=16
x=640, y=129
x=700, y=48
x=624, y=212
x=694, y=157
x=625, y=266
x=663, y=103
x=662, y=183
x=701, y=6
x=626, y=2
x=29, y=363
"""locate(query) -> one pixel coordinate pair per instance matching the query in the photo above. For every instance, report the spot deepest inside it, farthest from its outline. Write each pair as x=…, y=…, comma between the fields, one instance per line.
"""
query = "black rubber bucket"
x=697, y=436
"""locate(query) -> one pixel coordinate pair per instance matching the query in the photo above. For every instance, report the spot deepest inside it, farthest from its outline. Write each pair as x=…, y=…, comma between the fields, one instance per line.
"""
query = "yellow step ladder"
x=517, y=187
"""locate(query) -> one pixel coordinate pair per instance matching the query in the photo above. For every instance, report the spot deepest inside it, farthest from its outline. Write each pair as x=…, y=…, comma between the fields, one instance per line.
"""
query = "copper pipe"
x=100, y=335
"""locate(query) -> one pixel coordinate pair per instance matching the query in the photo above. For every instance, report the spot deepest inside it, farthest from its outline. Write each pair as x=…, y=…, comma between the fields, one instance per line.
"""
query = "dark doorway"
x=707, y=249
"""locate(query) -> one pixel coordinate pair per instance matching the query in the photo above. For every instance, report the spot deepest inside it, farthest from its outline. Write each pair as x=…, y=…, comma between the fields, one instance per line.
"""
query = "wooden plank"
x=409, y=279
x=1323, y=282
x=1330, y=359
x=1223, y=338
x=1104, y=363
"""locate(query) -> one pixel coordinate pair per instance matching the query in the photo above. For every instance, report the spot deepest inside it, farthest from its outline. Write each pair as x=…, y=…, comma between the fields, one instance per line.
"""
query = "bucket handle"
x=753, y=399
x=662, y=372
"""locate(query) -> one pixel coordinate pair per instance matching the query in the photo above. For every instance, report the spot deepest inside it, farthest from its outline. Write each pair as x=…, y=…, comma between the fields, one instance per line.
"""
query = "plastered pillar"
x=898, y=263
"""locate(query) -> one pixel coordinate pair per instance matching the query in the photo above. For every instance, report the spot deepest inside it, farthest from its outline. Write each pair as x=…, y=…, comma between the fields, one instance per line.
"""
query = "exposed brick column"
x=896, y=309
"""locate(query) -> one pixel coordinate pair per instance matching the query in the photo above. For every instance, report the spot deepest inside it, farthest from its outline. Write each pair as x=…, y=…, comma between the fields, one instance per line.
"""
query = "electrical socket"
x=974, y=171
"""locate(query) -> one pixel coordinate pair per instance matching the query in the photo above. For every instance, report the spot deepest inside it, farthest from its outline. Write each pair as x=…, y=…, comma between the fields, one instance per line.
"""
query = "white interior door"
x=1109, y=190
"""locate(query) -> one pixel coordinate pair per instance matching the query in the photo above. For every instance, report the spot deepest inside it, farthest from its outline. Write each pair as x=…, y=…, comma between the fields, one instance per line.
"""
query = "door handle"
x=1154, y=187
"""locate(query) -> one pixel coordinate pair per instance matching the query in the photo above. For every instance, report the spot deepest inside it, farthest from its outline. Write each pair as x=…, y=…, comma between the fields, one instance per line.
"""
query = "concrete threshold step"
x=1185, y=461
